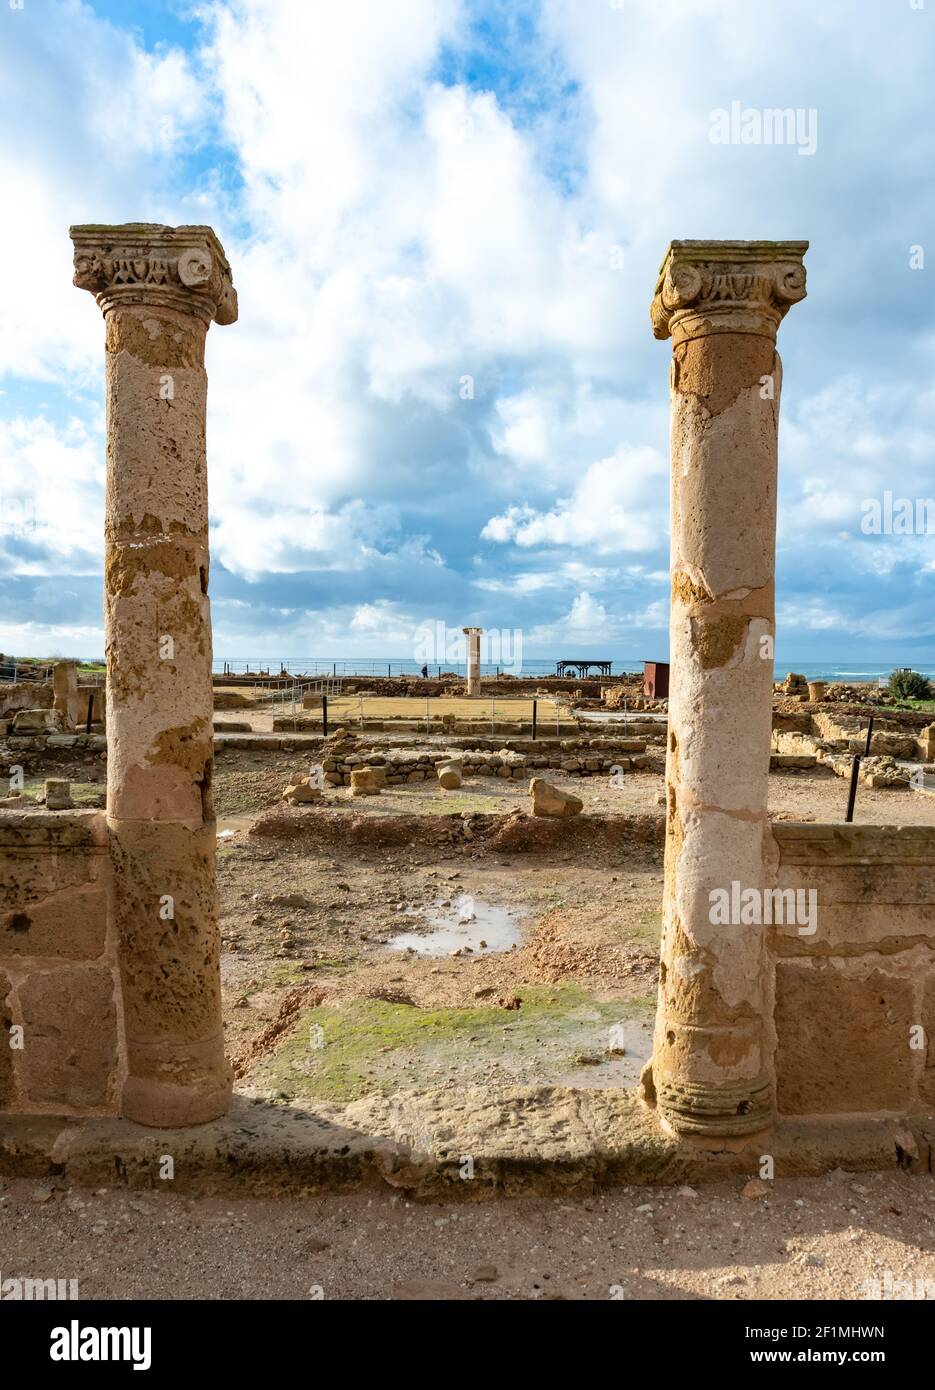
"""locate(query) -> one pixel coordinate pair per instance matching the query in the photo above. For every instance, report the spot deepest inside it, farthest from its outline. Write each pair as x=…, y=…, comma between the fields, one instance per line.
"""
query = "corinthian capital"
x=726, y=287
x=180, y=268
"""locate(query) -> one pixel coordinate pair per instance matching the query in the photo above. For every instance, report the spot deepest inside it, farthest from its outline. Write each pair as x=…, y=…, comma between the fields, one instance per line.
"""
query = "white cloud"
x=390, y=234
x=51, y=498
x=617, y=506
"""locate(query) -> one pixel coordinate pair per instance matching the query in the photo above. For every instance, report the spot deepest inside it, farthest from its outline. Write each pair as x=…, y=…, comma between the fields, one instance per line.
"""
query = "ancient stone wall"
x=419, y=765
x=59, y=987
x=24, y=695
x=854, y=1000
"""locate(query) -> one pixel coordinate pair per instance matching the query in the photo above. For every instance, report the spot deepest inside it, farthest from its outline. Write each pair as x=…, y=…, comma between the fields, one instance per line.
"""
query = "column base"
x=722, y=1111
x=162, y=1105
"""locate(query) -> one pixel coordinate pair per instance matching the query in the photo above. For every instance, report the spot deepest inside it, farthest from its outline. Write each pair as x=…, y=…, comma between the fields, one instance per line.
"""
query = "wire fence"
x=544, y=715
x=17, y=671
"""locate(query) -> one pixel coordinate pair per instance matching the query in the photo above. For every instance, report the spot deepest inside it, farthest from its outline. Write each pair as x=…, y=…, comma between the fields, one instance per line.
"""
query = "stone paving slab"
x=470, y=1143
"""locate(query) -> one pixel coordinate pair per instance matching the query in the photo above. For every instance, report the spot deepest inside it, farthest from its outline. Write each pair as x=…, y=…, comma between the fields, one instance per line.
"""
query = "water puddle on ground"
x=459, y=923
x=227, y=826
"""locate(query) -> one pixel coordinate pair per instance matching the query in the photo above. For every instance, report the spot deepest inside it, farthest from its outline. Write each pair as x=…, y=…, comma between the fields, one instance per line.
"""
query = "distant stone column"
x=65, y=690
x=721, y=303
x=159, y=288
x=473, y=659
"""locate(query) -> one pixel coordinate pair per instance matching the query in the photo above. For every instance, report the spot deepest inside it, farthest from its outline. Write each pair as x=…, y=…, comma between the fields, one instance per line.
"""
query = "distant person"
x=425, y=673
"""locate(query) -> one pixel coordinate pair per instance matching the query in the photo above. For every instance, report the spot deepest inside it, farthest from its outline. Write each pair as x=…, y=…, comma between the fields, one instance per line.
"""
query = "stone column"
x=473, y=659
x=159, y=288
x=721, y=302
x=65, y=691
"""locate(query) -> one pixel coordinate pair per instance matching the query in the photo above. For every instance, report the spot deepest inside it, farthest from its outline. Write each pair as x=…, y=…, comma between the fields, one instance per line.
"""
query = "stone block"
x=550, y=801
x=7, y=1077
x=300, y=793
x=843, y=1031
x=927, y=1020
x=368, y=781
x=69, y=1055
x=57, y=794
x=70, y=924
x=37, y=721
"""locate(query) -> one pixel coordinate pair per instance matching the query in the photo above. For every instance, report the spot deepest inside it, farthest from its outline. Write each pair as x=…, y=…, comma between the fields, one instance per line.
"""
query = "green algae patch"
x=369, y=1046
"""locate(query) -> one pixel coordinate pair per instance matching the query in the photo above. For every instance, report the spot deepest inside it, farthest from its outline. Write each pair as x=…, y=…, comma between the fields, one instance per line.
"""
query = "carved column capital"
x=142, y=263
x=726, y=287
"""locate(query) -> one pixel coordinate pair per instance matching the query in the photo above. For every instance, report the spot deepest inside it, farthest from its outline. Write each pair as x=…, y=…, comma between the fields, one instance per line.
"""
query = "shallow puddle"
x=465, y=922
x=227, y=826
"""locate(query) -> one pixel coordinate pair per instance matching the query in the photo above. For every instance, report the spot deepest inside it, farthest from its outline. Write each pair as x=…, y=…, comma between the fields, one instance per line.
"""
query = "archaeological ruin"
x=795, y=1012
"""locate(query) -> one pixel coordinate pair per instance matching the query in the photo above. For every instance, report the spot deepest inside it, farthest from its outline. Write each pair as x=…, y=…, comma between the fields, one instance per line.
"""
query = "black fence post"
x=87, y=727
x=534, y=709
x=324, y=715
x=855, y=770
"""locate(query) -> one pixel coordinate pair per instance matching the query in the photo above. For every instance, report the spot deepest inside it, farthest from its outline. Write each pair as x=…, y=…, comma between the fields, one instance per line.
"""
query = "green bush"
x=909, y=685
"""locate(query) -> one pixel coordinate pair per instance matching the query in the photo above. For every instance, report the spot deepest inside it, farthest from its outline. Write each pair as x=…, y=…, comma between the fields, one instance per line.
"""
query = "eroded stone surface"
x=159, y=288
x=70, y=1046
x=721, y=303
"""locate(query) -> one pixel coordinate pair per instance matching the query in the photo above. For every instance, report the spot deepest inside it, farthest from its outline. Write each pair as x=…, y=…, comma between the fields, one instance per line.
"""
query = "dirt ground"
x=319, y=1003
x=843, y=1236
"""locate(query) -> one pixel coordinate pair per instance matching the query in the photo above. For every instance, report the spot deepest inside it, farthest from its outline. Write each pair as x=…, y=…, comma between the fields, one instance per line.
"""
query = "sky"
x=442, y=402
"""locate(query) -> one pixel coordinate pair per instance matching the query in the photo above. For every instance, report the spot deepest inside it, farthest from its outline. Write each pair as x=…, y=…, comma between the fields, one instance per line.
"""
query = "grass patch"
x=82, y=793
x=369, y=1045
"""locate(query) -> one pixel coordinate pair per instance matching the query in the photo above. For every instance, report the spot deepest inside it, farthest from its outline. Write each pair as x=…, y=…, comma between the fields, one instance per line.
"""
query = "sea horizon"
x=843, y=672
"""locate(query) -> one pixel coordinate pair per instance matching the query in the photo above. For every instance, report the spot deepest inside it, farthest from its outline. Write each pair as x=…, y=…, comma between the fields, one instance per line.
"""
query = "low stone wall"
x=38, y=743
x=855, y=1000
x=58, y=966
x=24, y=695
x=403, y=765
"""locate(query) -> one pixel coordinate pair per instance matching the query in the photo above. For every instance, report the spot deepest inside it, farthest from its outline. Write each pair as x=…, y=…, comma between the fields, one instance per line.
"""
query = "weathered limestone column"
x=65, y=690
x=473, y=659
x=159, y=288
x=721, y=302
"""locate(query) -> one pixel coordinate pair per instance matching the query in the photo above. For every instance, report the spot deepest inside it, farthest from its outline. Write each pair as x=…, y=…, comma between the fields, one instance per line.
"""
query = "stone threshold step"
x=518, y=1139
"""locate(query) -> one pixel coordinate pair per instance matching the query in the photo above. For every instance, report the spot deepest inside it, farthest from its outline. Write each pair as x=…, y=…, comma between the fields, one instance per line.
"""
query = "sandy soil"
x=820, y=1238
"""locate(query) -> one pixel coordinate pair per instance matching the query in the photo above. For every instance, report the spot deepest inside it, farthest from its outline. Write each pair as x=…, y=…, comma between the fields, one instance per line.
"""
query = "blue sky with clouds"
x=415, y=195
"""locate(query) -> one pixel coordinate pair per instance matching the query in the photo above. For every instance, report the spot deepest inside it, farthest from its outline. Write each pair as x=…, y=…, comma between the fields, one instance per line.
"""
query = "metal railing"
x=288, y=695
x=16, y=671
x=432, y=714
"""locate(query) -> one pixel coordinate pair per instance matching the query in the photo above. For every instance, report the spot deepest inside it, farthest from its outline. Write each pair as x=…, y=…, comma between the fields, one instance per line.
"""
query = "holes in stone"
x=203, y=575
x=662, y=972
x=673, y=741
x=670, y=1037
x=744, y=1107
x=19, y=922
